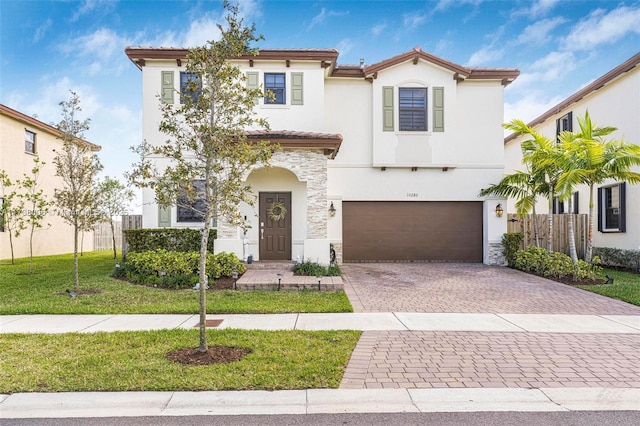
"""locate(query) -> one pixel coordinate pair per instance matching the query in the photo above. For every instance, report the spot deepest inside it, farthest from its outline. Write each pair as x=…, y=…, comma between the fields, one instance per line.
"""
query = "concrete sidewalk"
x=375, y=321
x=313, y=401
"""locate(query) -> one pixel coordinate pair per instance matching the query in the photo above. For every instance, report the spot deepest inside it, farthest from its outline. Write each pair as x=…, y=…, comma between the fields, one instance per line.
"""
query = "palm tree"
x=590, y=160
x=538, y=154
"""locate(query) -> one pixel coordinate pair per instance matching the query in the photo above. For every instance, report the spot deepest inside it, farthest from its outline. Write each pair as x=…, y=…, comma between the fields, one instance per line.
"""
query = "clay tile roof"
x=17, y=115
x=329, y=142
x=618, y=71
x=415, y=54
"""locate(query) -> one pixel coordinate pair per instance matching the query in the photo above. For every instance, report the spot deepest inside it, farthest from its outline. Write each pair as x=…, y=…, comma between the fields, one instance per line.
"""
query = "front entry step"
x=281, y=278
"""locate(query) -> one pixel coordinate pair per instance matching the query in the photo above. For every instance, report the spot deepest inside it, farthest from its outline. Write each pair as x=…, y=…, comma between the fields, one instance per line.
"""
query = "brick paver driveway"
x=439, y=359
x=467, y=287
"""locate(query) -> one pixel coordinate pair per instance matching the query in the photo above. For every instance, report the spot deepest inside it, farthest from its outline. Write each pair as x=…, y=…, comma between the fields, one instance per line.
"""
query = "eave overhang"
x=329, y=143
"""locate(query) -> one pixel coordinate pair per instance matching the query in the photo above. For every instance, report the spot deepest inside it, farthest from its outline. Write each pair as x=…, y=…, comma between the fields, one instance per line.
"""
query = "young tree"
x=591, y=160
x=207, y=149
x=8, y=212
x=113, y=200
x=78, y=168
x=32, y=205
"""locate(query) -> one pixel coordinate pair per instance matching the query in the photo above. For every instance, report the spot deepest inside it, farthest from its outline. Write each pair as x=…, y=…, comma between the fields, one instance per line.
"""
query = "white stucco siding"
x=348, y=112
x=479, y=115
x=420, y=149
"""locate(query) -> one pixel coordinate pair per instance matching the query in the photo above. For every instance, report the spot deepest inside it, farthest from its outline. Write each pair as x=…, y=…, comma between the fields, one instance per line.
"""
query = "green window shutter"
x=438, y=109
x=253, y=81
x=387, y=109
x=164, y=217
x=167, y=87
x=297, y=88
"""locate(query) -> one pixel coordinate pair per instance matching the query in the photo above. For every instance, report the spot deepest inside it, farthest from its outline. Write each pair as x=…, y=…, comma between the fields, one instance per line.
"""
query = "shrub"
x=170, y=239
x=510, y=245
x=537, y=261
x=174, y=269
x=313, y=269
x=627, y=259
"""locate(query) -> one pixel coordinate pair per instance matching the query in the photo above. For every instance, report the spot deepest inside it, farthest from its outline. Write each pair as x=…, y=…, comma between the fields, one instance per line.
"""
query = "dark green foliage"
x=510, y=245
x=627, y=259
x=313, y=269
x=171, y=239
x=174, y=269
x=537, y=261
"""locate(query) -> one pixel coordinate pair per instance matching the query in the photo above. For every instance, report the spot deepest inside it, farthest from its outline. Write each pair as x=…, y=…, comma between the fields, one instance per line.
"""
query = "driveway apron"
x=445, y=359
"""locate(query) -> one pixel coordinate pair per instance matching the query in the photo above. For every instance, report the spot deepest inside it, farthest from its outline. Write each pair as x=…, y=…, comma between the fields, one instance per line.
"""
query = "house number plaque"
x=412, y=195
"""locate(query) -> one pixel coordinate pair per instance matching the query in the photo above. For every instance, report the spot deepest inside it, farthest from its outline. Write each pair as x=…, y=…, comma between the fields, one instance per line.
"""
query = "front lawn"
x=625, y=287
x=44, y=292
x=136, y=361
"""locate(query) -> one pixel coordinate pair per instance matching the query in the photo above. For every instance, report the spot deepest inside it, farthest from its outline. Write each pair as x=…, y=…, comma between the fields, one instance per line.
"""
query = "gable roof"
x=23, y=118
x=612, y=75
x=507, y=75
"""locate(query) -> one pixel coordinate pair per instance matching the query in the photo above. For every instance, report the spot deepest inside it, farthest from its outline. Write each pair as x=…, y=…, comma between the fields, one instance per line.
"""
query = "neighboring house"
x=612, y=100
x=23, y=138
x=383, y=161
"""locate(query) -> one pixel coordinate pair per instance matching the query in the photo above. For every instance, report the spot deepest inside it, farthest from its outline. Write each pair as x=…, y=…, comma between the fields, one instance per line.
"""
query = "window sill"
x=412, y=132
x=35, y=154
x=612, y=231
x=275, y=106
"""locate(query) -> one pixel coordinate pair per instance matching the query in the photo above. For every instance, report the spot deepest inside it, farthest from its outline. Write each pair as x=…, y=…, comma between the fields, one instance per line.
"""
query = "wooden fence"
x=102, y=236
x=132, y=221
x=560, y=238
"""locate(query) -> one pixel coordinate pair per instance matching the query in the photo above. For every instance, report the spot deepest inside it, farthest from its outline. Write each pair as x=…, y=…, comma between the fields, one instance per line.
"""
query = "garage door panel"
x=405, y=231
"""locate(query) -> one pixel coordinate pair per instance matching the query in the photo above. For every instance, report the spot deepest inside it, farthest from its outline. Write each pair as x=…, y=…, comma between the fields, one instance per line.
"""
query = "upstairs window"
x=274, y=86
x=29, y=142
x=560, y=206
x=192, y=210
x=413, y=109
x=612, y=208
x=564, y=123
x=190, y=87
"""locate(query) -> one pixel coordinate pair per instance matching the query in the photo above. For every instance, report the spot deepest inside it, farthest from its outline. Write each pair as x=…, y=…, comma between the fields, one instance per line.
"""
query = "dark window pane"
x=274, y=83
x=190, y=86
x=195, y=213
x=30, y=142
x=413, y=109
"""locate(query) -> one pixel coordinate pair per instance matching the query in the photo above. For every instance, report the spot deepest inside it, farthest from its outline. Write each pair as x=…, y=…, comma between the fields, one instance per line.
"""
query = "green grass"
x=625, y=287
x=43, y=292
x=136, y=361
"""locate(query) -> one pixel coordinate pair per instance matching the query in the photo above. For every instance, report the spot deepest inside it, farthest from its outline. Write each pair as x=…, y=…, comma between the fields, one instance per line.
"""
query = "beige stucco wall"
x=55, y=237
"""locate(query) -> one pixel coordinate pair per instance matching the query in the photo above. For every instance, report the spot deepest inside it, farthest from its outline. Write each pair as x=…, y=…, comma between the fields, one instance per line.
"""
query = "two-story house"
x=612, y=100
x=23, y=138
x=383, y=161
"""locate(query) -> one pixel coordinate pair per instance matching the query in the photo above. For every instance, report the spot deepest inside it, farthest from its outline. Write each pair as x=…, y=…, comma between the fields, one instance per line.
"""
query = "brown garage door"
x=412, y=230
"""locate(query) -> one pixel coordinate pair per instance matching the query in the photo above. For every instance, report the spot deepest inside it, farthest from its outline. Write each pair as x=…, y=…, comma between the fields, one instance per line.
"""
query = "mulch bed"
x=214, y=355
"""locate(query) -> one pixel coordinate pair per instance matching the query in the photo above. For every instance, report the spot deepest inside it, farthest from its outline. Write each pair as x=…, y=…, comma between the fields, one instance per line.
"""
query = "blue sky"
x=50, y=47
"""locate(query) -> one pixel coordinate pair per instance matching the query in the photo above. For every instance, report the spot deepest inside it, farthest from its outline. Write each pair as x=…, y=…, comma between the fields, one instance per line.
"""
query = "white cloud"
x=200, y=31
x=601, y=27
x=550, y=68
x=528, y=107
x=539, y=32
x=91, y=6
x=485, y=55
x=42, y=30
x=345, y=46
x=413, y=20
x=378, y=29
x=541, y=7
x=321, y=17
x=445, y=4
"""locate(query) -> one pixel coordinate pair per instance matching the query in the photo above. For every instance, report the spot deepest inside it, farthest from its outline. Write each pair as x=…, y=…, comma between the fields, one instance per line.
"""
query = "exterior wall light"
x=332, y=210
x=499, y=210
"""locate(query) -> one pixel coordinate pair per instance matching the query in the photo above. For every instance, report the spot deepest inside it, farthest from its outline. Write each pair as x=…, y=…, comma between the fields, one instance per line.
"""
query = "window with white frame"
x=29, y=142
x=612, y=208
x=412, y=107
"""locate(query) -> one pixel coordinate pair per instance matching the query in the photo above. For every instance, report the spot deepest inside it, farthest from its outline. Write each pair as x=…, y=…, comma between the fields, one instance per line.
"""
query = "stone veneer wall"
x=496, y=257
x=309, y=166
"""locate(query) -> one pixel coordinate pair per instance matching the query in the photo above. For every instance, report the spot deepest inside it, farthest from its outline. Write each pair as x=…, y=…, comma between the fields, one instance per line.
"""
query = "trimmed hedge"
x=313, y=269
x=536, y=260
x=174, y=269
x=170, y=239
x=628, y=259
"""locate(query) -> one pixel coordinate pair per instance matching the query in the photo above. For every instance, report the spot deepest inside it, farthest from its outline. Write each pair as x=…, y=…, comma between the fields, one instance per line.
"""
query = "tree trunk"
x=589, y=250
x=204, y=281
x=113, y=238
x=535, y=226
x=76, y=280
x=31, y=250
x=550, y=225
x=572, y=240
x=11, y=245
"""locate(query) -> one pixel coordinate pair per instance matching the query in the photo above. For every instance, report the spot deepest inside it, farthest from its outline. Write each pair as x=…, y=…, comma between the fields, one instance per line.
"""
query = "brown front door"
x=275, y=225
